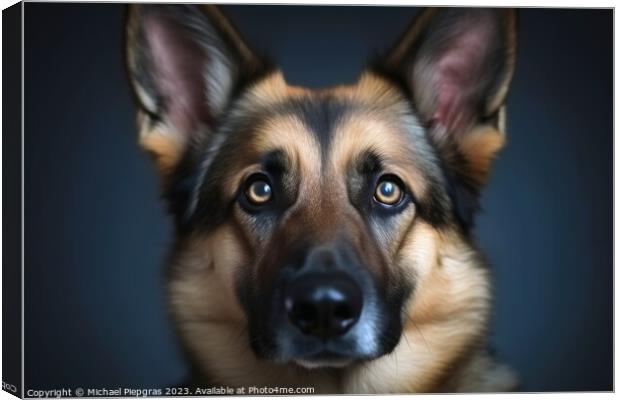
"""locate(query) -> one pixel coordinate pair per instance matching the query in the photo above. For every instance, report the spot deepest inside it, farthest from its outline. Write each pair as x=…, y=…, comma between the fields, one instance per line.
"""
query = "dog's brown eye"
x=388, y=192
x=259, y=192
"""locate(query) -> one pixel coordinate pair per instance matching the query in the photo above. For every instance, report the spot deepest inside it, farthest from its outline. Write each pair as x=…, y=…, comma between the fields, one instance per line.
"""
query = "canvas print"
x=302, y=200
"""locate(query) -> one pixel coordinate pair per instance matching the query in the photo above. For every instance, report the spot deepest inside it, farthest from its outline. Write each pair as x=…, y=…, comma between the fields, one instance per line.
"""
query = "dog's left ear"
x=185, y=63
x=456, y=65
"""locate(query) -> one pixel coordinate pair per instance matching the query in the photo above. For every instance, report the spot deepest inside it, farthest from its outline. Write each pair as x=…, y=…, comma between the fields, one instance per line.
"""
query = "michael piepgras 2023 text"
x=172, y=391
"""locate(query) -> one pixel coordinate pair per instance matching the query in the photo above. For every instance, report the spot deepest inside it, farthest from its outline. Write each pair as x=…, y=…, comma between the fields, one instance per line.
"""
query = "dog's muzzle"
x=324, y=308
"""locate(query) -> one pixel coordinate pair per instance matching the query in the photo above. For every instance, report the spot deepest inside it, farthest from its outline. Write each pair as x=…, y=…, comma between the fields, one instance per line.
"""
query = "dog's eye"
x=388, y=192
x=258, y=192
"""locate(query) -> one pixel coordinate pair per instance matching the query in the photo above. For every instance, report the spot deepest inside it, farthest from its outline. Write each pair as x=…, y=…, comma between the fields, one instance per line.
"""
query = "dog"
x=324, y=237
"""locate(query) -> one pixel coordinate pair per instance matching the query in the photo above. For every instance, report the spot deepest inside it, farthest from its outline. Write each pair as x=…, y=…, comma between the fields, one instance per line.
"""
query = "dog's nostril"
x=305, y=315
x=323, y=304
x=343, y=312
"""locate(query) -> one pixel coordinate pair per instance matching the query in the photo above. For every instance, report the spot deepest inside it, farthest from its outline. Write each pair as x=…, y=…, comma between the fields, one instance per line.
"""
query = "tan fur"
x=289, y=134
x=480, y=147
x=271, y=90
x=372, y=131
x=162, y=143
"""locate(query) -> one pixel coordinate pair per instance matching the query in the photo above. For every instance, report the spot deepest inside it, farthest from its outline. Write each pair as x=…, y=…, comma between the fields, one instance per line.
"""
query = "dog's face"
x=311, y=219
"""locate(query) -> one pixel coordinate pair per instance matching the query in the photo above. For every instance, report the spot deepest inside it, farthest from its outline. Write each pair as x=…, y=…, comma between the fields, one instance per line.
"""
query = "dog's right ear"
x=455, y=65
x=185, y=63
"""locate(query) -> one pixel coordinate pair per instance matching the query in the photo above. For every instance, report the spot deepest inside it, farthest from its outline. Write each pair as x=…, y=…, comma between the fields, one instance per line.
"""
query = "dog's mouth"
x=324, y=359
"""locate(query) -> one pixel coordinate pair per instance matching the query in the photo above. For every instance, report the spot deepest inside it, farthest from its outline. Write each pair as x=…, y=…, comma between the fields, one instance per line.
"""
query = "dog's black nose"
x=324, y=305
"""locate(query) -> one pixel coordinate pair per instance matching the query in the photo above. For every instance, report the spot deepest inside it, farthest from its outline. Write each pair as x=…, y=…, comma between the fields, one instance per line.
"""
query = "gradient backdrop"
x=96, y=232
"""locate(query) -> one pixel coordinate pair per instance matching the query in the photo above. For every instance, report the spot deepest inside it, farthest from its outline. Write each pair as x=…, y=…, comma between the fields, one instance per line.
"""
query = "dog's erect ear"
x=185, y=63
x=456, y=65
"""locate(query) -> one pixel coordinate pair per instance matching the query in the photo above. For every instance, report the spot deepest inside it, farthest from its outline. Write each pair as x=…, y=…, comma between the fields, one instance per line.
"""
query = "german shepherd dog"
x=323, y=238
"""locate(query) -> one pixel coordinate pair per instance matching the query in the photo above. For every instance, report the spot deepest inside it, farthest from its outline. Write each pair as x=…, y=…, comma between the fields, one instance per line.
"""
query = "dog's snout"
x=324, y=305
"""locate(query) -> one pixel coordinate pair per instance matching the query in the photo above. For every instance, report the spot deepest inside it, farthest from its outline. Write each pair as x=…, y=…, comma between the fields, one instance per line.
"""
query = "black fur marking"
x=320, y=114
x=275, y=162
x=369, y=163
x=465, y=200
x=179, y=192
x=360, y=180
x=434, y=210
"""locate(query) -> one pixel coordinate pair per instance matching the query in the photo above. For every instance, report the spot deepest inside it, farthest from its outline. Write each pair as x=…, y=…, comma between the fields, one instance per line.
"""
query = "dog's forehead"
x=326, y=132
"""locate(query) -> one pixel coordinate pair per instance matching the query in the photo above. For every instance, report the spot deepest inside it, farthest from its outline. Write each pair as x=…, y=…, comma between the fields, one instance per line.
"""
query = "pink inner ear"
x=457, y=78
x=179, y=63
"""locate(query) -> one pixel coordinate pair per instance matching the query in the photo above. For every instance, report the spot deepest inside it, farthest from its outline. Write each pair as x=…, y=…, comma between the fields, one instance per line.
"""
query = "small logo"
x=8, y=387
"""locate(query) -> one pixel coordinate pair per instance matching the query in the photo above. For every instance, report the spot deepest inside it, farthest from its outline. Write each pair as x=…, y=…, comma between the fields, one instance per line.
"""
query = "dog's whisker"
x=417, y=328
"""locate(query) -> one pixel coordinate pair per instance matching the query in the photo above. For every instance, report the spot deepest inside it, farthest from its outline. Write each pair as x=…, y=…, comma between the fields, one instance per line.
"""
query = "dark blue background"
x=96, y=233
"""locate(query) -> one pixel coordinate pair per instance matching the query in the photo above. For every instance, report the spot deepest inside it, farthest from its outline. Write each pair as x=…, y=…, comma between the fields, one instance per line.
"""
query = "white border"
x=521, y=3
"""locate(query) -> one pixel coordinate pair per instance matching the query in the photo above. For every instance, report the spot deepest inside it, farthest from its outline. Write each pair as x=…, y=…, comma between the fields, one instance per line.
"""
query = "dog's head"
x=314, y=218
